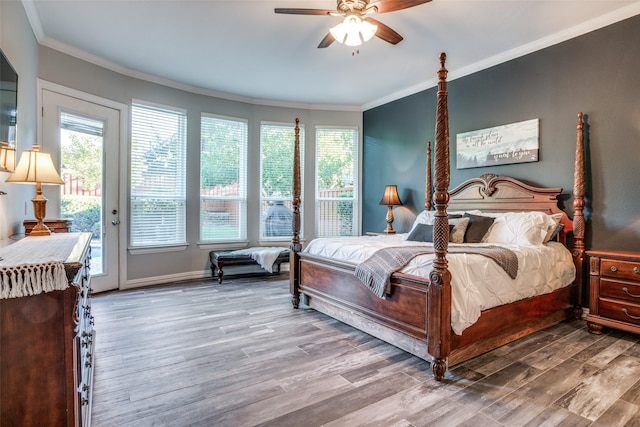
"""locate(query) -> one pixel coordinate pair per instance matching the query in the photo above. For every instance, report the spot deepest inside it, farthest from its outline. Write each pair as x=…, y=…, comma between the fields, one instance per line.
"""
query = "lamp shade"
x=35, y=167
x=7, y=157
x=390, y=196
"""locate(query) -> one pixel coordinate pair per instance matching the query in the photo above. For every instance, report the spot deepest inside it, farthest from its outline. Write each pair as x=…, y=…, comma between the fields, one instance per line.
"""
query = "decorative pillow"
x=554, y=220
x=424, y=232
x=426, y=217
x=456, y=235
x=557, y=230
x=421, y=233
x=477, y=228
x=519, y=228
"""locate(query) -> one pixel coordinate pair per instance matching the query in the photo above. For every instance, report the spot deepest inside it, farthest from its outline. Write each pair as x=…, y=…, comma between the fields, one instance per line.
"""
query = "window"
x=223, y=178
x=336, y=181
x=276, y=179
x=158, y=179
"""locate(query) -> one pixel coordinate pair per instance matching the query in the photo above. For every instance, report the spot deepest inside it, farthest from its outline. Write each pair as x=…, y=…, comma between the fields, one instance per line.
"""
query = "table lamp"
x=36, y=167
x=391, y=199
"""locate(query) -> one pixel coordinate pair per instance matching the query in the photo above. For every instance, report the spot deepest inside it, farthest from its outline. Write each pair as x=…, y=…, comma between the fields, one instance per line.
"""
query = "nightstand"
x=614, y=290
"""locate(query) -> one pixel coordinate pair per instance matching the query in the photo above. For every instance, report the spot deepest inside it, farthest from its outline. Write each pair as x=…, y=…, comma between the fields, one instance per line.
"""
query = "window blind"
x=276, y=179
x=223, y=178
x=158, y=175
x=336, y=181
x=86, y=125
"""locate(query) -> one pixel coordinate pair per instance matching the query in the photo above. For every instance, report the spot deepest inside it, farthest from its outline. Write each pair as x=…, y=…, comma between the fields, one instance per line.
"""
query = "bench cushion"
x=229, y=256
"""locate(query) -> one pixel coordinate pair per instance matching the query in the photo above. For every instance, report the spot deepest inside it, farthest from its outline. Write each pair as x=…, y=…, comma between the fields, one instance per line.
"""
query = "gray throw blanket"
x=376, y=271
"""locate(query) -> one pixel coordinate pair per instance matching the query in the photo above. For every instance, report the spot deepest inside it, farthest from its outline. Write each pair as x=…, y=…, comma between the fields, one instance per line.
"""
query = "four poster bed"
x=418, y=311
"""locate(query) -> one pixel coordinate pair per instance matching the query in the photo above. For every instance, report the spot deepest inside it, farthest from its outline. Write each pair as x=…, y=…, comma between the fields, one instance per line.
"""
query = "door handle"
x=115, y=222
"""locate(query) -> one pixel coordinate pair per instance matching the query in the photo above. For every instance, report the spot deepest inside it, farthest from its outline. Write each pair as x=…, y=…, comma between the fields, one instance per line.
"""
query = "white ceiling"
x=241, y=49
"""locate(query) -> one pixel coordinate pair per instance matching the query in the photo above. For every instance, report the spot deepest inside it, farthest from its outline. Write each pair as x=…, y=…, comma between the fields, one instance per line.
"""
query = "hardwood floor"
x=238, y=354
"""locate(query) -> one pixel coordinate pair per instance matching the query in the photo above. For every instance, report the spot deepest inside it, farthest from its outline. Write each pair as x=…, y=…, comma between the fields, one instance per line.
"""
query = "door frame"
x=123, y=160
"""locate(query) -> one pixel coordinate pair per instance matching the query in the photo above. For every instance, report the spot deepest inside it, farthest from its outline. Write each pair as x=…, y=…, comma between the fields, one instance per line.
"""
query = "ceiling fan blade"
x=326, y=41
x=385, y=33
x=392, y=5
x=294, y=11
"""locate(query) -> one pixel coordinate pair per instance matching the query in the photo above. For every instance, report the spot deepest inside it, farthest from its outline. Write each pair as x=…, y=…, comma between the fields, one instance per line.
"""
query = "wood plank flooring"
x=238, y=354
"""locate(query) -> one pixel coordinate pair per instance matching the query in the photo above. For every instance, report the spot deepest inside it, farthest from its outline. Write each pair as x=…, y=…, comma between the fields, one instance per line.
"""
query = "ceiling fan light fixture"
x=353, y=31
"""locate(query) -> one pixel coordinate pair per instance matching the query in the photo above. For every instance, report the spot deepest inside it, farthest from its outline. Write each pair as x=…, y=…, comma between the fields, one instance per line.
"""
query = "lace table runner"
x=35, y=265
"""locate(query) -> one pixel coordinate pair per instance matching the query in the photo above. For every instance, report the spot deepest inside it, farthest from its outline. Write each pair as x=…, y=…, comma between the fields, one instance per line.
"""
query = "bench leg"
x=220, y=272
x=278, y=269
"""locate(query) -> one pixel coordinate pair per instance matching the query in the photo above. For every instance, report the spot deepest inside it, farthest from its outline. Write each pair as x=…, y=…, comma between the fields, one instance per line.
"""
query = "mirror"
x=8, y=101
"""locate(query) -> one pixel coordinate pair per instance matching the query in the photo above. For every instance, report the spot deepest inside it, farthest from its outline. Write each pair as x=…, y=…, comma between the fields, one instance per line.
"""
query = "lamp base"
x=389, y=220
x=39, y=210
x=40, y=230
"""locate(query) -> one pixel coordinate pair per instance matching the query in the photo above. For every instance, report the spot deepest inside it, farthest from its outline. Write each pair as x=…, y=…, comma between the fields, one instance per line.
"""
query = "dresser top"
x=38, y=264
x=615, y=254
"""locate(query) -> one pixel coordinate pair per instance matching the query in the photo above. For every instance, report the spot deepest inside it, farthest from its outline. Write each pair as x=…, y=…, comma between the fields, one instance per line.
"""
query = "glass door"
x=87, y=135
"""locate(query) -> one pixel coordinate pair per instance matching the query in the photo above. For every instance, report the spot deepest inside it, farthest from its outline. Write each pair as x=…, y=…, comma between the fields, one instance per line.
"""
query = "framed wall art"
x=500, y=145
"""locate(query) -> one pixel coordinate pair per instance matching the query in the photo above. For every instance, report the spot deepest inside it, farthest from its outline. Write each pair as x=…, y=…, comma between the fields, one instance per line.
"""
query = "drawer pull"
x=614, y=268
x=636, y=270
x=624, y=310
x=626, y=291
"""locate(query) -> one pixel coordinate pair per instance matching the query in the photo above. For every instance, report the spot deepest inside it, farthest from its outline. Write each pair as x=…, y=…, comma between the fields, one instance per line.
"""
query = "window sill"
x=276, y=242
x=232, y=244
x=158, y=249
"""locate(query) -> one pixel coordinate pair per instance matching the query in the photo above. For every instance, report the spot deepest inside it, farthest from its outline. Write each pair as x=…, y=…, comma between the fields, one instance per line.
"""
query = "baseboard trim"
x=169, y=278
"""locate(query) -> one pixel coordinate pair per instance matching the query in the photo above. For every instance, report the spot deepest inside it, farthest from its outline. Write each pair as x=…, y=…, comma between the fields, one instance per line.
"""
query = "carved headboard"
x=495, y=193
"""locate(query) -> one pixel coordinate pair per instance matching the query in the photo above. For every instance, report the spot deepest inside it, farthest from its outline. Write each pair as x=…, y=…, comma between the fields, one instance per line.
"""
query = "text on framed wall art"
x=500, y=145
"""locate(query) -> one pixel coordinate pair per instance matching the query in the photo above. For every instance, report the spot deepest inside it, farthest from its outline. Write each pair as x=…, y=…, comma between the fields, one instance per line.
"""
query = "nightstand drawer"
x=618, y=289
x=620, y=269
x=628, y=313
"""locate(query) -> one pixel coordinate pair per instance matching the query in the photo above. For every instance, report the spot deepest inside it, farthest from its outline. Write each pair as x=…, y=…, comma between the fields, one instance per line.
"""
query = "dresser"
x=47, y=338
x=614, y=290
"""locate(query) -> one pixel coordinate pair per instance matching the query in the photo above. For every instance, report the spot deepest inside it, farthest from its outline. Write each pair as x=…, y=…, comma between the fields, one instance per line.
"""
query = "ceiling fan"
x=358, y=26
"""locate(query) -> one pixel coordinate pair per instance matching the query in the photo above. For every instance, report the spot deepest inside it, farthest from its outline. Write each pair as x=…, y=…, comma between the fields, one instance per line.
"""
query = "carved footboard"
x=400, y=319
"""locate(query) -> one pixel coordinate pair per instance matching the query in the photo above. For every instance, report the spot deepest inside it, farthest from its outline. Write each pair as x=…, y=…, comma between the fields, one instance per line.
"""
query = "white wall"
x=21, y=49
x=144, y=269
x=32, y=61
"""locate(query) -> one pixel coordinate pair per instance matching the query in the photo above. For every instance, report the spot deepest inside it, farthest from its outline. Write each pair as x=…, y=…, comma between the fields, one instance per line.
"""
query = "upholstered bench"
x=221, y=259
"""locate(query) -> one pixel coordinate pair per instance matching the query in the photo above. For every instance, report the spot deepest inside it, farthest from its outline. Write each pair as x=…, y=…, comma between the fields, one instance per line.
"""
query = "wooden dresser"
x=46, y=345
x=614, y=290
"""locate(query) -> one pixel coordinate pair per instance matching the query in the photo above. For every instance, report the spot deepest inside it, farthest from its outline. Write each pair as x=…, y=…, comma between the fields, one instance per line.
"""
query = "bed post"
x=439, y=297
x=578, y=215
x=296, y=247
x=428, y=187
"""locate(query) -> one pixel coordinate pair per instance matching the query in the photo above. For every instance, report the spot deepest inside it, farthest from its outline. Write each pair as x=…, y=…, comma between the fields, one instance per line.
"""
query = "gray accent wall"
x=597, y=73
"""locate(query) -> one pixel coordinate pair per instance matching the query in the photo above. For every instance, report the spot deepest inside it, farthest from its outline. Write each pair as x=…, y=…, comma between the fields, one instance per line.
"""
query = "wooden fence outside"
x=73, y=187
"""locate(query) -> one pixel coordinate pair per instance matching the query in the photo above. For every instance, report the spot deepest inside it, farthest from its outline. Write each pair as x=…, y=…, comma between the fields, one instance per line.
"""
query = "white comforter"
x=477, y=282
